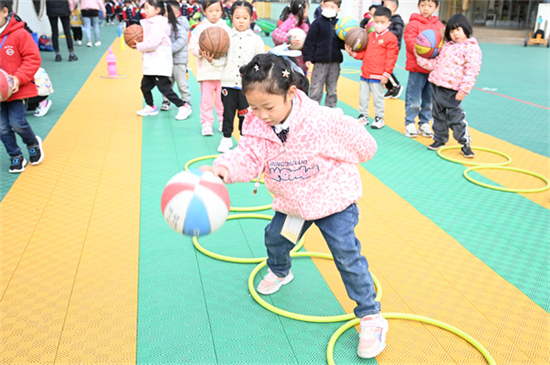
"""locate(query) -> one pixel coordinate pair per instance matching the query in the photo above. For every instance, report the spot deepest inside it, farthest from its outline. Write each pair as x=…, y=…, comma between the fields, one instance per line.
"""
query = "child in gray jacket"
x=179, y=37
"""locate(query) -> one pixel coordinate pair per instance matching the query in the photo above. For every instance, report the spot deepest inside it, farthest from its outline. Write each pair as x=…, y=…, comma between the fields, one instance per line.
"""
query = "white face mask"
x=379, y=28
x=328, y=13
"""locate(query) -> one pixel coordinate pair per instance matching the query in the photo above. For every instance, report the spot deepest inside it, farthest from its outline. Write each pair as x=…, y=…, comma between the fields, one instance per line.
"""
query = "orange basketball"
x=357, y=39
x=133, y=34
x=215, y=41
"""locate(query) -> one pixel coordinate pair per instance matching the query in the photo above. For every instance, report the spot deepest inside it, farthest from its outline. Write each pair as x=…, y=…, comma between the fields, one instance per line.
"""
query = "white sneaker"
x=207, y=130
x=378, y=123
x=372, y=339
x=42, y=110
x=89, y=44
x=184, y=112
x=225, y=144
x=97, y=43
x=166, y=105
x=79, y=43
x=425, y=130
x=410, y=130
x=363, y=120
x=271, y=283
x=148, y=110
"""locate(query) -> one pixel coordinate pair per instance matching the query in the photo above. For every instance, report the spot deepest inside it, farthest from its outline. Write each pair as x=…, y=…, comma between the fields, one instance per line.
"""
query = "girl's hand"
x=16, y=84
x=134, y=46
x=348, y=50
x=295, y=42
x=220, y=171
x=460, y=96
x=209, y=57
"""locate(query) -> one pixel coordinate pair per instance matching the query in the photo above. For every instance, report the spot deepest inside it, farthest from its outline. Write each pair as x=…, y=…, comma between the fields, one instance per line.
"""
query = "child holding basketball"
x=324, y=49
x=179, y=36
x=309, y=155
x=418, y=97
x=244, y=46
x=20, y=58
x=157, y=59
x=453, y=75
x=296, y=19
x=208, y=75
x=378, y=62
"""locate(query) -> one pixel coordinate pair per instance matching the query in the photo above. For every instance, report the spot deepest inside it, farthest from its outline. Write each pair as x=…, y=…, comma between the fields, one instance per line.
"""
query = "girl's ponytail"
x=298, y=7
x=172, y=18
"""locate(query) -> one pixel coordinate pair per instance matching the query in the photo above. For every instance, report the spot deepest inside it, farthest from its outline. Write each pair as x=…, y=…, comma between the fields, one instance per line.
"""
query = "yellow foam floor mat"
x=70, y=235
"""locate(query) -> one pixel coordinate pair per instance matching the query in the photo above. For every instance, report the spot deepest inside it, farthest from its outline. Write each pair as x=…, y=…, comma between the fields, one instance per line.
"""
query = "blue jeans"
x=13, y=120
x=418, y=99
x=338, y=231
x=88, y=23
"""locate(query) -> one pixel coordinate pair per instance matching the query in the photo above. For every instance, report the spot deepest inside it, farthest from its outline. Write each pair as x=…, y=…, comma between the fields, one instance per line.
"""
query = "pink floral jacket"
x=280, y=35
x=314, y=174
x=456, y=67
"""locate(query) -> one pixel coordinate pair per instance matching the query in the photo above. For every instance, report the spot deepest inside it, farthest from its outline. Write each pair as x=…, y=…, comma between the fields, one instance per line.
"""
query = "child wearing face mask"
x=378, y=62
x=324, y=49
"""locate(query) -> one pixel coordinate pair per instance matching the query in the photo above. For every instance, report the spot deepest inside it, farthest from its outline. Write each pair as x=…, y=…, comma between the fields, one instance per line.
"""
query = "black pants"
x=110, y=18
x=66, y=22
x=164, y=85
x=233, y=101
x=33, y=102
x=77, y=33
x=392, y=82
x=447, y=113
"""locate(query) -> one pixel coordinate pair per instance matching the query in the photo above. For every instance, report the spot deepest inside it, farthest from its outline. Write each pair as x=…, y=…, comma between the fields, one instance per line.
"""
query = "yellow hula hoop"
x=297, y=316
x=412, y=317
x=470, y=163
x=231, y=209
x=239, y=260
x=511, y=190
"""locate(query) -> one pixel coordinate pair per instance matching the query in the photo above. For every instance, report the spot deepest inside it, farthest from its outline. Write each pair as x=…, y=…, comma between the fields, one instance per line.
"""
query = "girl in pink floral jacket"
x=297, y=19
x=453, y=75
x=308, y=155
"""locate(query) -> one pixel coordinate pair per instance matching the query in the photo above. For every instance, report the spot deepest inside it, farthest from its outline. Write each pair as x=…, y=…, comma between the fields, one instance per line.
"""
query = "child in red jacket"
x=418, y=98
x=378, y=62
x=20, y=58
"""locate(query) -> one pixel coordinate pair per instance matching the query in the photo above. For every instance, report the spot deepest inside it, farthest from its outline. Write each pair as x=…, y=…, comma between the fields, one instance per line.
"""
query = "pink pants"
x=211, y=96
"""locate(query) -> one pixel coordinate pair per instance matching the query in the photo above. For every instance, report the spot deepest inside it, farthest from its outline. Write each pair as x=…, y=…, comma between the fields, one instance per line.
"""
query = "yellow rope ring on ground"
x=509, y=159
x=412, y=317
x=232, y=209
x=303, y=317
x=239, y=260
x=537, y=190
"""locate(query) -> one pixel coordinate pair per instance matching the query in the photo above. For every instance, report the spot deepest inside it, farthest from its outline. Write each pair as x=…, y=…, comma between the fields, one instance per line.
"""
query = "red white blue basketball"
x=428, y=43
x=195, y=202
x=6, y=85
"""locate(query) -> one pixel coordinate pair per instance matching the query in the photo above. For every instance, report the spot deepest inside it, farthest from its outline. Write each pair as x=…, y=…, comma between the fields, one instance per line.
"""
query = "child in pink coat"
x=453, y=75
x=309, y=155
x=297, y=19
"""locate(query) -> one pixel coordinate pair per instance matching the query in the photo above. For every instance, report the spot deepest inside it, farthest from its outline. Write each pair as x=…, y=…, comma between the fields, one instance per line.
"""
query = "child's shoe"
x=225, y=144
x=58, y=58
x=425, y=130
x=397, y=92
x=466, y=150
x=378, y=123
x=184, y=112
x=388, y=94
x=372, y=339
x=97, y=43
x=42, y=108
x=410, y=131
x=148, y=110
x=72, y=57
x=436, y=145
x=79, y=43
x=36, y=154
x=363, y=120
x=207, y=130
x=271, y=283
x=18, y=164
x=166, y=105
x=89, y=44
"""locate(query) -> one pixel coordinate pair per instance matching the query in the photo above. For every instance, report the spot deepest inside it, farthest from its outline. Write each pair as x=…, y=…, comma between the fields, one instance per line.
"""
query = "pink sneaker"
x=272, y=283
x=207, y=130
x=372, y=339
